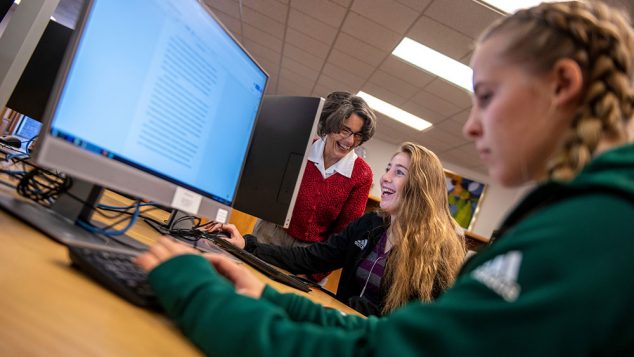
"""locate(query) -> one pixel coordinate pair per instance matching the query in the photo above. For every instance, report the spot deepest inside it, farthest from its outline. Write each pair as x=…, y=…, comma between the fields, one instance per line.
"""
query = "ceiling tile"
x=450, y=93
x=331, y=84
x=382, y=93
x=263, y=38
x=451, y=158
x=463, y=155
x=271, y=87
x=312, y=27
x=290, y=79
x=297, y=54
x=462, y=116
x=262, y=22
x=350, y=63
x=428, y=140
x=393, y=84
x=325, y=11
x=271, y=67
x=306, y=43
x=445, y=137
x=370, y=32
x=435, y=103
x=229, y=7
x=359, y=49
x=395, y=131
x=451, y=126
x=320, y=91
x=296, y=67
x=417, y=5
x=466, y=59
x=271, y=8
x=231, y=23
x=261, y=52
x=422, y=112
x=344, y=3
x=406, y=72
x=455, y=157
x=351, y=80
x=466, y=16
x=441, y=38
x=287, y=88
x=388, y=13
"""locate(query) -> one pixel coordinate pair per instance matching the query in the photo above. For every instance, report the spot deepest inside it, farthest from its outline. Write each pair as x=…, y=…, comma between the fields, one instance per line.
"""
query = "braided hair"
x=601, y=41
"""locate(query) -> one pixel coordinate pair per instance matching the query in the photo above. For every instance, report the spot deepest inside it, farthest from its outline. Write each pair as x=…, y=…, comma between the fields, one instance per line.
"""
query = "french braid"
x=601, y=40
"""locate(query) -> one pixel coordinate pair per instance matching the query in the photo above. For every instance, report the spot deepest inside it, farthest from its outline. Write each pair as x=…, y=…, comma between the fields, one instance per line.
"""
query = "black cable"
x=43, y=186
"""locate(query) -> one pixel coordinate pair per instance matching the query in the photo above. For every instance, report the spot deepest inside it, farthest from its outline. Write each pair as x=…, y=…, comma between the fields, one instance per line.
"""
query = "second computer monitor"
x=32, y=91
x=276, y=160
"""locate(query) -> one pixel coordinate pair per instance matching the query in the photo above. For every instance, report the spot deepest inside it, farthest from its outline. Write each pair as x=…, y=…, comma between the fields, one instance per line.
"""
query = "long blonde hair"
x=428, y=250
x=601, y=41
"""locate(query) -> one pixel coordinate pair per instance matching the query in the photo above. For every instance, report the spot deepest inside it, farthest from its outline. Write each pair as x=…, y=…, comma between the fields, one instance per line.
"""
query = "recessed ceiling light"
x=435, y=62
x=395, y=113
x=510, y=7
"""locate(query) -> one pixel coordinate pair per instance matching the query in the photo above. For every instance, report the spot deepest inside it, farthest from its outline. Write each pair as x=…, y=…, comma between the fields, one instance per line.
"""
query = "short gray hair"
x=338, y=107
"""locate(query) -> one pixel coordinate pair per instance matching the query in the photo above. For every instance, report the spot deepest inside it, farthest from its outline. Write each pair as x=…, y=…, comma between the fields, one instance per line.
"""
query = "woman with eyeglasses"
x=410, y=250
x=336, y=182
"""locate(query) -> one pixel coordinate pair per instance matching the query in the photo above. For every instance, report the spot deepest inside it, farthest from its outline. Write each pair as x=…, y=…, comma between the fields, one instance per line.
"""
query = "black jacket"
x=344, y=250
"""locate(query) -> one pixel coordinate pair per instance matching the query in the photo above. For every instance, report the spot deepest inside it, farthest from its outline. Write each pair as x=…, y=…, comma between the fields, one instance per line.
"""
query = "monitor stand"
x=176, y=220
x=58, y=222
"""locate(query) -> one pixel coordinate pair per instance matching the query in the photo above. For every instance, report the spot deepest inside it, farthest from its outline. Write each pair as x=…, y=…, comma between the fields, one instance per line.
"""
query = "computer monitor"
x=158, y=100
x=27, y=128
x=5, y=5
x=34, y=87
x=277, y=157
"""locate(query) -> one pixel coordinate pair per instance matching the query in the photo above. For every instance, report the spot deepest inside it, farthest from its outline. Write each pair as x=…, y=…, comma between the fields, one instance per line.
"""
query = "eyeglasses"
x=346, y=132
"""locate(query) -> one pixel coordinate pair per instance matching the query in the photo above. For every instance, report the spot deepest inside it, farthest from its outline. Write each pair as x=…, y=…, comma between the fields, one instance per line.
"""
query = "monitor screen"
x=28, y=128
x=158, y=101
x=32, y=91
x=277, y=157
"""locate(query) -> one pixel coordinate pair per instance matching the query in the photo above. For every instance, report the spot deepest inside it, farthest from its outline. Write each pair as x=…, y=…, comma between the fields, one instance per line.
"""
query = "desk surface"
x=49, y=308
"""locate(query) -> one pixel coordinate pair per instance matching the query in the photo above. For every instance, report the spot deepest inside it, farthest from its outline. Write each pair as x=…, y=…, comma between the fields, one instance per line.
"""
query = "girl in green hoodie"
x=553, y=102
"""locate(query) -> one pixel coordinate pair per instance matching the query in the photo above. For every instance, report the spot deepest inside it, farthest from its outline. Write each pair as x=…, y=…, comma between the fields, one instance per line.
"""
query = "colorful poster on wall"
x=465, y=198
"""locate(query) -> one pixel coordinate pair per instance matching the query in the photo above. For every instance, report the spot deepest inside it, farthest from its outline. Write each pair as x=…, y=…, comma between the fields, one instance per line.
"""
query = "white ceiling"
x=314, y=47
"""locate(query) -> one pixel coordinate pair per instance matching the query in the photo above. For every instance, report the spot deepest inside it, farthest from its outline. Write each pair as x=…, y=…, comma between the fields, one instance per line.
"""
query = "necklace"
x=370, y=274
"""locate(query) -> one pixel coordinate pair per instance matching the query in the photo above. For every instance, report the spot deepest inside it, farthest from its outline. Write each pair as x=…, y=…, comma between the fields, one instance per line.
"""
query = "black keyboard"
x=114, y=269
x=257, y=263
x=10, y=150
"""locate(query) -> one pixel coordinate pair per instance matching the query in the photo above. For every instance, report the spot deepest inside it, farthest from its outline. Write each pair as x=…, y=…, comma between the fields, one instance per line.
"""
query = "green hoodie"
x=556, y=282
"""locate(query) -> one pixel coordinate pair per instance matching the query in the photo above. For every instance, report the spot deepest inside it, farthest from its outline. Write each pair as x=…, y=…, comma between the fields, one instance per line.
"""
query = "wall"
x=497, y=201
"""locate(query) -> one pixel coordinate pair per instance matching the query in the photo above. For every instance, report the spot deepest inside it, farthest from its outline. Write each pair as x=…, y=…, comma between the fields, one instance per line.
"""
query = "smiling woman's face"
x=337, y=144
x=393, y=181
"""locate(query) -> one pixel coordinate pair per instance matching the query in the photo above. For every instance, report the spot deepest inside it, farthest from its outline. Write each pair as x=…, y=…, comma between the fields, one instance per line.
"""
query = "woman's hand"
x=234, y=238
x=242, y=279
x=164, y=249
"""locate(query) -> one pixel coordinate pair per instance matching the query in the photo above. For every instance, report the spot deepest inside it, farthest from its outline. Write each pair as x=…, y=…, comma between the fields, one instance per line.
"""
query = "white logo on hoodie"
x=361, y=243
x=500, y=275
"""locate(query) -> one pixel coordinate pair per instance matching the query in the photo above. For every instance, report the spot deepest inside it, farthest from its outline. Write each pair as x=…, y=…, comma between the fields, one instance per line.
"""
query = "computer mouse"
x=11, y=141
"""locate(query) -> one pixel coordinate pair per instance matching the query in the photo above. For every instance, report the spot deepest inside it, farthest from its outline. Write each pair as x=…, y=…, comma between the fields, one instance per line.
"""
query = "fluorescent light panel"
x=434, y=62
x=510, y=7
x=395, y=113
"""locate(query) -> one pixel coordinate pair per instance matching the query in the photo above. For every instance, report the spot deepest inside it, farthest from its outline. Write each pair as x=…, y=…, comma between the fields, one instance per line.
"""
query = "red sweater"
x=327, y=206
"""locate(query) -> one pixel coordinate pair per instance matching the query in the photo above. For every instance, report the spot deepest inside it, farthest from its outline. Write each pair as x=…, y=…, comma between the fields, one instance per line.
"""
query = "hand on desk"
x=234, y=238
x=242, y=279
x=165, y=248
